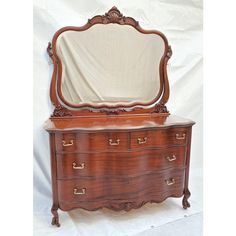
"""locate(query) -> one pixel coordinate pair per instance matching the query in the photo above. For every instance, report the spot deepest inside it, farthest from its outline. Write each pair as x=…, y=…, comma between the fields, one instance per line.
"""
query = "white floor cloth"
x=181, y=22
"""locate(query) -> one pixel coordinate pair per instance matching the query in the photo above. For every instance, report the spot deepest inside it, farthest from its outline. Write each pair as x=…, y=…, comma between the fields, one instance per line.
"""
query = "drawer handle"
x=142, y=141
x=67, y=144
x=117, y=142
x=179, y=136
x=170, y=181
x=173, y=158
x=79, y=191
x=80, y=167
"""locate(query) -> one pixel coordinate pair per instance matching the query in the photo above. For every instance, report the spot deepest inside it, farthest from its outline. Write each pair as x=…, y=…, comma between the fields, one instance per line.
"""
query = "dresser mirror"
x=111, y=62
x=110, y=65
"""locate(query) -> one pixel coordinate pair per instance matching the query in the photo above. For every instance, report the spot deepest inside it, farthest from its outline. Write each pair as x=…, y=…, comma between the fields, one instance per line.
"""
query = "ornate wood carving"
x=61, y=111
x=112, y=112
x=185, y=202
x=115, y=16
x=49, y=50
x=160, y=108
x=107, y=111
x=169, y=52
x=55, y=218
x=127, y=206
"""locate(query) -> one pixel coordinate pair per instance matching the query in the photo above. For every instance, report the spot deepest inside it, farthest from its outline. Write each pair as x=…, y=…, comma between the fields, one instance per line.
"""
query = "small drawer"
x=117, y=141
x=161, y=137
x=76, y=142
x=156, y=186
x=68, y=141
x=119, y=164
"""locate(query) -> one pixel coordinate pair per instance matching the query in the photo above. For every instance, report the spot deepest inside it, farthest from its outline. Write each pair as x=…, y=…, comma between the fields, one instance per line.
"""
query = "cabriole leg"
x=185, y=202
x=55, y=218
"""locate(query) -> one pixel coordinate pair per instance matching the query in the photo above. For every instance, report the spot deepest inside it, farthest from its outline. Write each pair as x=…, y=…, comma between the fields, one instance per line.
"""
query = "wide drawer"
x=163, y=184
x=119, y=164
x=73, y=142
x=158, y=138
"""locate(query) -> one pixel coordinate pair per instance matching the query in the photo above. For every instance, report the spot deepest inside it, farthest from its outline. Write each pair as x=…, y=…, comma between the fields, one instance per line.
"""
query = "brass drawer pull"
x=172, y=158
x=170, y=181
x=142, y=141
x=179, y=136
x=79, y=191
x=80, y=167
x=117, y=142
x=67, y=144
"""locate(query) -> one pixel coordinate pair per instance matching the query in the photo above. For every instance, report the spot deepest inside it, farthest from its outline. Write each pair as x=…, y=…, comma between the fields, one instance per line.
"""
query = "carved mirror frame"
x=63, y=108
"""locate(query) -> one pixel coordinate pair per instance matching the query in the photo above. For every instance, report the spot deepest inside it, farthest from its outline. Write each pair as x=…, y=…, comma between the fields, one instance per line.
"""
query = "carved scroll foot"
x=55, y=218
x=185, y=202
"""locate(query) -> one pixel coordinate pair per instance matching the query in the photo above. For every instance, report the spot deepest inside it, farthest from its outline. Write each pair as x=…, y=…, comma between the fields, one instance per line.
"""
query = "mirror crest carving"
x=115, y=16
x=64, y=108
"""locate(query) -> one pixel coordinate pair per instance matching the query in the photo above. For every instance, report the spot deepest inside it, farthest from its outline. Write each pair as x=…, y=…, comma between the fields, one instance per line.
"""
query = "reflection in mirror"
x=109, y=65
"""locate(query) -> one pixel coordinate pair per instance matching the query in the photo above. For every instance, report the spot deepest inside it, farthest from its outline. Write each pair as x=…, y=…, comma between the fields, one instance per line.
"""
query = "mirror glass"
x=109, y=65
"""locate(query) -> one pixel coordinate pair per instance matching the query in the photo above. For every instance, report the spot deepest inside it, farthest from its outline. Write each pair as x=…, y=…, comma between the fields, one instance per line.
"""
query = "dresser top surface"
x=96, y=123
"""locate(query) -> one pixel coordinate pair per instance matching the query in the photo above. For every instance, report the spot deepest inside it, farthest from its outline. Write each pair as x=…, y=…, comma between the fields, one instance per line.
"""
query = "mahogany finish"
x=92, y=141
x=112, y=157
x=131, y=171
x=119, y=164
x=110, y=188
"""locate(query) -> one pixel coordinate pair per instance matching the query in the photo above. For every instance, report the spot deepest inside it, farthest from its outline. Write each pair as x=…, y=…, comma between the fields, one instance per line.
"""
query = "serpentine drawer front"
x=122, y=163
x=74, y=142
x=85, y=190
x=158, y=138
x=117, y=141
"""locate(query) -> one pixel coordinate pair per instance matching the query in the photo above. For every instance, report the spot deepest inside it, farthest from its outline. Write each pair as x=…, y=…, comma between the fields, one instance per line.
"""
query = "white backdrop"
x=181, y=22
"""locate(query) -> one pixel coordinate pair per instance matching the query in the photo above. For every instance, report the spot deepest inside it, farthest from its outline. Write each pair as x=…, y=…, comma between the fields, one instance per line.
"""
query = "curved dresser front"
x=118, y=163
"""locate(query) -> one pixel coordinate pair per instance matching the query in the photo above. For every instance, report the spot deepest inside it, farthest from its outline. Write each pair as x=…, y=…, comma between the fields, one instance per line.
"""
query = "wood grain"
x=101, y=123
x=158, y=138
x=92, y=141
x=121, y=188
x=122, y=164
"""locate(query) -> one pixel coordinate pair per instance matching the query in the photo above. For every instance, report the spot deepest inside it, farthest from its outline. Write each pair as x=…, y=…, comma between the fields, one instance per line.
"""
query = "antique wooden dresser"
x=113, y=142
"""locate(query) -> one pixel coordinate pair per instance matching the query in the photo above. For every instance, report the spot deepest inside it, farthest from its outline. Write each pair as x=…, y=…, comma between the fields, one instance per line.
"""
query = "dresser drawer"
x=161, y=137
x=167, y=183
x=76, y=142
x=117, y=164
